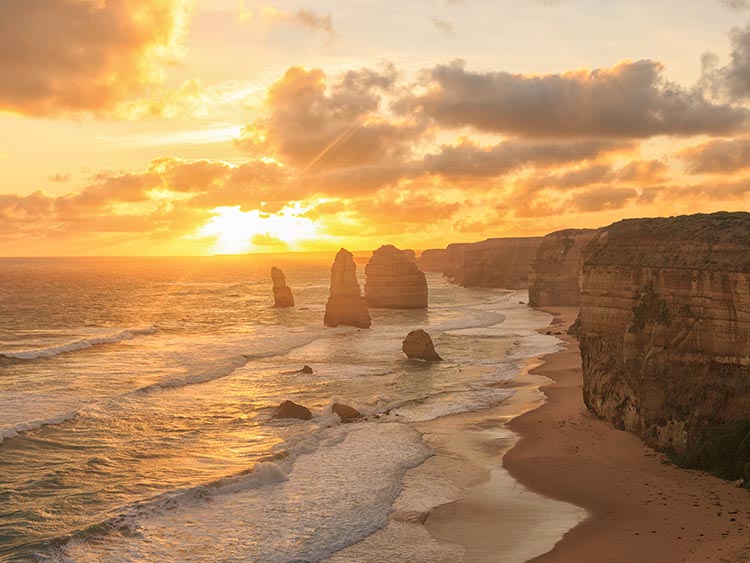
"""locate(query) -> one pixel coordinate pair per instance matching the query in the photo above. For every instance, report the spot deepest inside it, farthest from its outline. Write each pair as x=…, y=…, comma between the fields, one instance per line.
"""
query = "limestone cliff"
x=553, y=279
x=432, y=260
x=393, y=280
x=665, y=335
x=282, y=294
x=345, y=305
x=498, y=262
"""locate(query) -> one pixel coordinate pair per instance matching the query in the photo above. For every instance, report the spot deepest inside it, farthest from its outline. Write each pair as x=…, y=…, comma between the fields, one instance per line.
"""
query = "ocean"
x=136, y=397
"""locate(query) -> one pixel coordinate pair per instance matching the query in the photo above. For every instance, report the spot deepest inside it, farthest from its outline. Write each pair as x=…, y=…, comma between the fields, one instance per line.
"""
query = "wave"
x=14, y=430
x=81, y=344
x=271, y=497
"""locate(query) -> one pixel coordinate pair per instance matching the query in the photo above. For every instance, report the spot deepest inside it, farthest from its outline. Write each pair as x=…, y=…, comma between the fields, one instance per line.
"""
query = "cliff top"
x=716, y=241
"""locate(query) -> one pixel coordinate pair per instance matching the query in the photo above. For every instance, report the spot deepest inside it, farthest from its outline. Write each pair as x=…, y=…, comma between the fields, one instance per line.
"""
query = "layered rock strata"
x=393, y=280
x=498, y=262
x=282, y=295
x=665, y=335
x=345, y=305
x=553, y=278
x=432, y=260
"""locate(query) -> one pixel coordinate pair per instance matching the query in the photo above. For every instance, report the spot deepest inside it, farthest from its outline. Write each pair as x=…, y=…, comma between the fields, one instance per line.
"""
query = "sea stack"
x=345, y=306
x=282, y=295
x=393, y=280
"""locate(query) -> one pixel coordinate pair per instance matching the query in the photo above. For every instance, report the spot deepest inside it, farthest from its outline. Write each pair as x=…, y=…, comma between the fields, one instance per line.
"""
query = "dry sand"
x=643, y=509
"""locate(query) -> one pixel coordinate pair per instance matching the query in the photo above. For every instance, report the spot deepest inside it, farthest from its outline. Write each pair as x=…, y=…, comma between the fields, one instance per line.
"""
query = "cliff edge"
x=665, y=335
x=553, y=278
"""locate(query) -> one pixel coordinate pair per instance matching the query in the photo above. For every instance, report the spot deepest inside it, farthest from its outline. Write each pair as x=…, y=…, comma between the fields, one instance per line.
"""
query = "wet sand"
x=643, y=509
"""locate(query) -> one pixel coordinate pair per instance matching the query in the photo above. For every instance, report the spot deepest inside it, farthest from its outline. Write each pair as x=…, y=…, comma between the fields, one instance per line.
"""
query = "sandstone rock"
x=290, y=409
x=346, y=413
x=306, y=369
x=498, y=262
x=282, y=295
x=418, y=344
x=393, y=280
x=665, y=335
x=345, y=305
x=433, y=260
x=553, y=279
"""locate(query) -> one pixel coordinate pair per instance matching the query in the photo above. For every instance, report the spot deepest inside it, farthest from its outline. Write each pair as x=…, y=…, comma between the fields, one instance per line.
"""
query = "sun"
x=237, y=231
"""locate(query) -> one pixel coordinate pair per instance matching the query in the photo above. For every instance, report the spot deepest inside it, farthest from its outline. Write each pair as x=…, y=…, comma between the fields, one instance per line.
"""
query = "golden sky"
x=180, y=127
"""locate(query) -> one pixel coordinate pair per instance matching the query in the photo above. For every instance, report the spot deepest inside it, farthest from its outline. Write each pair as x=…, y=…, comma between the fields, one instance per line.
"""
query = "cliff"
x=393, y=280
x=432, y=260
x=498, y=262
x=345, y=305
x=282, y=294
x=553, y=278
x=665, y=335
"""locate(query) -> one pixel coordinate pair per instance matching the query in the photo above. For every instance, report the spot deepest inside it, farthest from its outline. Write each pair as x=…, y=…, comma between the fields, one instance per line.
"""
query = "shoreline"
x=641, y=507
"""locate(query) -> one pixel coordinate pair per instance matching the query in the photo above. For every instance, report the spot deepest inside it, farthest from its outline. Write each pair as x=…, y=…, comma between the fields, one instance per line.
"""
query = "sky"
x=199, y=127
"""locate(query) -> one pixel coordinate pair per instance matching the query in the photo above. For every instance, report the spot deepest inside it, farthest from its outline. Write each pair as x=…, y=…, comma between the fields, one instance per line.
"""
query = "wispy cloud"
x=304, y=17
x=736, y=4
x=443, y=25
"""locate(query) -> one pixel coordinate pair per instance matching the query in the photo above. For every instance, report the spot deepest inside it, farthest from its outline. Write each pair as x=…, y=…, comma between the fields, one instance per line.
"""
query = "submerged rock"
x=394, y=281
x=290, y=409
x=346, y=413
x=282, y=295
x=418, y=344
x=345, y=305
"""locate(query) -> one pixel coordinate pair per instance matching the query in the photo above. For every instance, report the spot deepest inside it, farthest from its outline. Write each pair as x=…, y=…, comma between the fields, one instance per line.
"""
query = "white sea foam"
x=333, y=497
x=81, y=344
x=15, y=429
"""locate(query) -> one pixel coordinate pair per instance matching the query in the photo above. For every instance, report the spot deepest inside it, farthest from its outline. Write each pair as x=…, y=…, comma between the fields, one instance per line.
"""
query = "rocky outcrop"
x=393, y=280
x=345, y=412
x=433, y=260
x=290, y=409
x=553, y=278
x=418, y=344
x=665, y=335
x=345, y=305
x=498, y=262
x=282, y=295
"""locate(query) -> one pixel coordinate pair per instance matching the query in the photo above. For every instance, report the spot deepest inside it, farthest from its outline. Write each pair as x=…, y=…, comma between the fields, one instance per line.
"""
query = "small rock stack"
x=282, y=295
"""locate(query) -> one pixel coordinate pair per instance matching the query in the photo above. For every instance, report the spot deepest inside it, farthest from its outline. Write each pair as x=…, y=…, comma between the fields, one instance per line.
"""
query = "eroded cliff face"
x=498, y=262
x=432, y=260
x=665, y=335
x=393, y=280
x=553, y=278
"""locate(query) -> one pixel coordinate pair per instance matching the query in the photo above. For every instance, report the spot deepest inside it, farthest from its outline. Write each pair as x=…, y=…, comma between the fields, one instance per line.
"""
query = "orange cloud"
x=65, y=57
x=717, y=157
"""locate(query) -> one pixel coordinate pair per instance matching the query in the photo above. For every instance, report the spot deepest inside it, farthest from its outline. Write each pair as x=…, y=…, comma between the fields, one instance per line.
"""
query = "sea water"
x=136, y=401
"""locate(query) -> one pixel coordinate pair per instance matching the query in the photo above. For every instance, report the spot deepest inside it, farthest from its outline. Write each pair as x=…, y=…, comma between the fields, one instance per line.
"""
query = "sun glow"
x=238, y=231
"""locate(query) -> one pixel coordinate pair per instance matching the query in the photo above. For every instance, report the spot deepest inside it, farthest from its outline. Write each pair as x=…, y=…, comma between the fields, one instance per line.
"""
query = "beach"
x=639, y=506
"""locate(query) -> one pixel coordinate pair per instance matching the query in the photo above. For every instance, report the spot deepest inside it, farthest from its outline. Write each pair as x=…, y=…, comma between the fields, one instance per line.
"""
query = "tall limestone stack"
x=345, y=305
x=553, y=278
x=665, y=335
x=282, y=295
x=393, y=280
